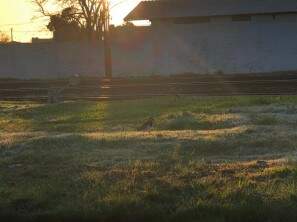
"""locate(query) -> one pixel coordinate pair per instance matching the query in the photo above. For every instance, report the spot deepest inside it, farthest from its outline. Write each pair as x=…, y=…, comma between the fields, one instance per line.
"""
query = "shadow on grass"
x=165, y=202
x=95, y=178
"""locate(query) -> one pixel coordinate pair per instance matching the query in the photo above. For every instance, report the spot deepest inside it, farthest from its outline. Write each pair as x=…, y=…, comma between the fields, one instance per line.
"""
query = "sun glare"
x=20, y=15
x=120, y=8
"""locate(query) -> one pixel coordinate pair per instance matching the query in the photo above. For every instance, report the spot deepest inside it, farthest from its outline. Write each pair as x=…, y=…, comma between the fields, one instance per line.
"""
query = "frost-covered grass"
x=207, y=159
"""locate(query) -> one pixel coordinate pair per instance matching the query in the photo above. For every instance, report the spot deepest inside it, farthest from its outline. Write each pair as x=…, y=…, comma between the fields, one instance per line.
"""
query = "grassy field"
x=207, y=159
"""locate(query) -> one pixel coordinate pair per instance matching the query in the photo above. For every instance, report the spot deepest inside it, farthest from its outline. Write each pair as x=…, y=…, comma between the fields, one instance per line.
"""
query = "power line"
x=32, y=31
x=20, y=24
x=118, y=3
x=22, y=31
x=16, y=24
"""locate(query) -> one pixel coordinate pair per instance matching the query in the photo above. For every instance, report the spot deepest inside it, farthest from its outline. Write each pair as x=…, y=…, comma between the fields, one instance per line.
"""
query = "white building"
x=221, y=36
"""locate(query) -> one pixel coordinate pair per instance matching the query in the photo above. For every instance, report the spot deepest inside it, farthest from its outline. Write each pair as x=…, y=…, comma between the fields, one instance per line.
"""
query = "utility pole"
x=107, y=43
x=11, y=34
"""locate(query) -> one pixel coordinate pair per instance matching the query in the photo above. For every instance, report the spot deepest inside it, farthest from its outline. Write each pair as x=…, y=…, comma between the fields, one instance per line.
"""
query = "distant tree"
x=90, y=16
x=4, y=38
x=127, y=26
x=64, y=27
x=78, y=16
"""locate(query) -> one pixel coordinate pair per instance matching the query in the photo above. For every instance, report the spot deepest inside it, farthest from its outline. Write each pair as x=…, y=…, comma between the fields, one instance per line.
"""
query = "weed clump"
x=181, y=121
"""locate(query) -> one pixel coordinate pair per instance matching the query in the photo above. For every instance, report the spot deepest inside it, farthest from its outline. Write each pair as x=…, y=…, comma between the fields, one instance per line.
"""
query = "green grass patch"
x=95, y=116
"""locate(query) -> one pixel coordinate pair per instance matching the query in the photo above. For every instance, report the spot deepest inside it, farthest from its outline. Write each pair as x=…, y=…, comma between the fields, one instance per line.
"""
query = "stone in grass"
x=13, y=166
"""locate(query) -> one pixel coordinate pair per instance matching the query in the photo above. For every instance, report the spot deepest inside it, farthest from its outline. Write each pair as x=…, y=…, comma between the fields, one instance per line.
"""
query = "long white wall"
x=264, y=44
x=132, y=55
x=49, y=60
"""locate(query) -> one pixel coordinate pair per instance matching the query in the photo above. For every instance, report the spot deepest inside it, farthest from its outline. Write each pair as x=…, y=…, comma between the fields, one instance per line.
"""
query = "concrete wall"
x=132, y=55
x=263, y=44
x=49, y=60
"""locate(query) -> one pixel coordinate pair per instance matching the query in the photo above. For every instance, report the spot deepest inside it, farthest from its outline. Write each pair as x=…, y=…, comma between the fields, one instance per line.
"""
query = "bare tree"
x=4, y=38
x=91, y=15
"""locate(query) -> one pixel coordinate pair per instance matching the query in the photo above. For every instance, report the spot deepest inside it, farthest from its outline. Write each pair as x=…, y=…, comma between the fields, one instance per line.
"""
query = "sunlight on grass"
x=170, y=113
x=179, y=135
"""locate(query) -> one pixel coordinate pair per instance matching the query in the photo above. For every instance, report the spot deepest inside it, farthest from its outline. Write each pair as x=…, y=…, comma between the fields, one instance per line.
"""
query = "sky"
x=21, y=16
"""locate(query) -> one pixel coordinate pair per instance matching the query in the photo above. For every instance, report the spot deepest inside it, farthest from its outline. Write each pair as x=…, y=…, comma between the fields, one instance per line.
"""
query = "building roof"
x=162, y=9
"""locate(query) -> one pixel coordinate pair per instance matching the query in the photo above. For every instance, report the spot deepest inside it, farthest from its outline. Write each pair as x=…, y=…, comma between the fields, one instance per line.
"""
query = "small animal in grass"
x=148, y=125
